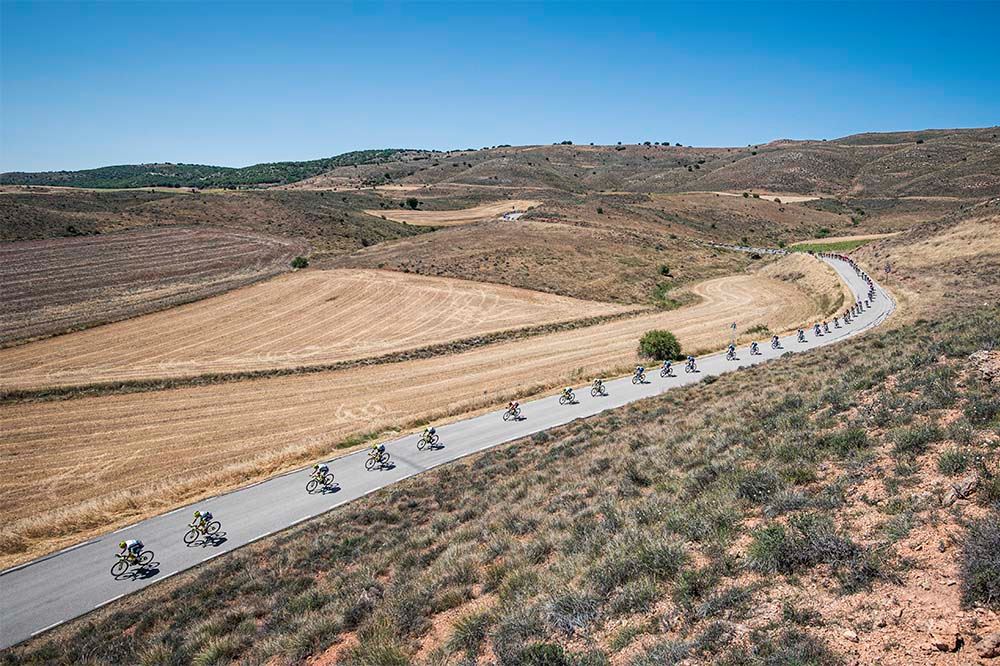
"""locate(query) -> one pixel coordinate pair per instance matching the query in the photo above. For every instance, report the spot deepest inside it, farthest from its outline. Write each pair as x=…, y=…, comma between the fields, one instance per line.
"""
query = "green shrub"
x=412, y=202
x=660, y=346
x=954, y=461
x=914, y=441
x=664, y=270
x=300, y=262
x=979, y=563
x=544, y=654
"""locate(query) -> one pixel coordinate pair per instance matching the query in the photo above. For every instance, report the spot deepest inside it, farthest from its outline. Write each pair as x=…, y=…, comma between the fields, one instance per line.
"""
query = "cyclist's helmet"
x=121, y=544
x=197, y=514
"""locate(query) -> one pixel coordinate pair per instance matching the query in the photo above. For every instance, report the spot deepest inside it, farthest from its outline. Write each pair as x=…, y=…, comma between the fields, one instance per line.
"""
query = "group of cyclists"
x=133, y=553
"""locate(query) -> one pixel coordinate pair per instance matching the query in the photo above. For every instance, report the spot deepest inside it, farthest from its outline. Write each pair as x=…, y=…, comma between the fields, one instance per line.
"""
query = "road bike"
x=380, y=458
x=427, y=439
x=512, y=413
x=317, y=481
x=198, y=529
x=129, y=560
x=567, y=398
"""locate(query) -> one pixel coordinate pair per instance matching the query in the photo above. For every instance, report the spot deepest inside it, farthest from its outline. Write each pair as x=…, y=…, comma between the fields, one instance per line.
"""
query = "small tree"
x=664, y=270
x=300, y=262
x=659, y=346
x=412, y=202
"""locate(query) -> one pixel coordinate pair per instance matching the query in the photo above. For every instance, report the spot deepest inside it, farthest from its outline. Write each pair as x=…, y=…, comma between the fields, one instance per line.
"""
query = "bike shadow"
x=434, y=447
x=212, y=541
x=328, y=490
x=141, y=573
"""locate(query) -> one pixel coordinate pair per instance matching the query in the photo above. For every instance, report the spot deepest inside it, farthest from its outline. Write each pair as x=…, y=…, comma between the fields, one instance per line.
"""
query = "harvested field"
x=449, y=218
x=305, y=319
x=844, y=239
x=817, y=279
x=57, y=285
x=126, y=456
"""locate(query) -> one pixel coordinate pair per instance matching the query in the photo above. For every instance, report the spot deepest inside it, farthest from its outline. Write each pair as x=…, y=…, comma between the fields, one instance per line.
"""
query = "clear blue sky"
x=86, y=85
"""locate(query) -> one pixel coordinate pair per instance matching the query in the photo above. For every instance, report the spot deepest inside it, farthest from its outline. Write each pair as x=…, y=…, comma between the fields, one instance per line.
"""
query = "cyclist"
x=513, y=406
x=731, y=351
x=667, y=369
x=690, y=363
x=836, y=322
x=774, y=342
x=320, y=471
x=816, y=329
x=802, y=335
x=754, y=348
x=202, y=519
x=429, y=433
x=640, y=373
x=131, y=549
x=568, y=394
x=598, y=385
x=826, y=327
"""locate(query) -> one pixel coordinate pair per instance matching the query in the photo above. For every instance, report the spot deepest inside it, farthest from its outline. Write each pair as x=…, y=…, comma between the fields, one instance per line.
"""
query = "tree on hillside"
x=660, y=346
x=412, y=202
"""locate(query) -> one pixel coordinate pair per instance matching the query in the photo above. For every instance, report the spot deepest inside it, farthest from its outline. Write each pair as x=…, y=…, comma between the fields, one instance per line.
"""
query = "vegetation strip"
x=441, y=349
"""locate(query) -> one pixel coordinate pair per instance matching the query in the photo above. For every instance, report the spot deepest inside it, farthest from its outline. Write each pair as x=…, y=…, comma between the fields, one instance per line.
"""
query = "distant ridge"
x=196, y=175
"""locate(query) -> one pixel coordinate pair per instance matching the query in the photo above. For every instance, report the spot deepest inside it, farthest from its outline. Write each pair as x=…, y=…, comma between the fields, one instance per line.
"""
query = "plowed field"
x=57, y=285
x=448, y=218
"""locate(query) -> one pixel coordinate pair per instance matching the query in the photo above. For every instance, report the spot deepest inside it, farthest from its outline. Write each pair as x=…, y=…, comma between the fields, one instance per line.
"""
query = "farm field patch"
x=57, y=285
x=447, y=218
x=304, y=319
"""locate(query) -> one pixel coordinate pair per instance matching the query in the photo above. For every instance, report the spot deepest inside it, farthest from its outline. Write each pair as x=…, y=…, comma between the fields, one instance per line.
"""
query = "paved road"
x=49, y=591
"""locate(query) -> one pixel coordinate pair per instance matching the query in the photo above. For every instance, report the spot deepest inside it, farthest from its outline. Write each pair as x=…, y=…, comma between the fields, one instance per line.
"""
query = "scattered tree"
x=660, y=346
x=412, y=202
x=300, y=262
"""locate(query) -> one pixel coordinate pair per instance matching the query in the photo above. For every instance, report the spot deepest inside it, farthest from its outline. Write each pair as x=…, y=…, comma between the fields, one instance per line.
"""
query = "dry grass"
x=305, y=319
x=213, y=438
x=449, y=218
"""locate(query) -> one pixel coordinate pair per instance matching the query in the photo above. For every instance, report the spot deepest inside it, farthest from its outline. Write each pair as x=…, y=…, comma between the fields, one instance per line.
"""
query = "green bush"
x=660, y=346
x=954, y=461
x=300, y=262
x=664, y=270
x=979, y=563
x=412, y=202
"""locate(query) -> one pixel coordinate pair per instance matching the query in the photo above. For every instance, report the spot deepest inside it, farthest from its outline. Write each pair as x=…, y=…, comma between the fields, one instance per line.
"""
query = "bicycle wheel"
x=506, y=415
x=370, y=463
x=145, y=557
x=421, y=443
x=213, y=527
x=190, y=536
x=594, y=393
x=563, y=400
x=384, y=459
x=635, y=380
x=118, y=568
x=434, y=439
x=312, y=486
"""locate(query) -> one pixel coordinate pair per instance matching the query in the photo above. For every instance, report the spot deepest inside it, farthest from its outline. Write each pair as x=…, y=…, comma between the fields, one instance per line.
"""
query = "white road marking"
x=51, y=626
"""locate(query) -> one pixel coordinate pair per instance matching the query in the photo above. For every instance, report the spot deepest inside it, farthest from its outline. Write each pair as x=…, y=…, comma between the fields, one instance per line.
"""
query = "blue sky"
x=86, y=85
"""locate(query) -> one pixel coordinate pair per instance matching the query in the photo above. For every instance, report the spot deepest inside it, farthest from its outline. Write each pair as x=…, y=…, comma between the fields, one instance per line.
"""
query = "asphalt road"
x=49, y=591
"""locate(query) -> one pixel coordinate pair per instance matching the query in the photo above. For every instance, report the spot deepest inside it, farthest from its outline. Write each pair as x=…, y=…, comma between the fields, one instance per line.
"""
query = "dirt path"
x=307, y=318
x=128, y=456
x=448, y=218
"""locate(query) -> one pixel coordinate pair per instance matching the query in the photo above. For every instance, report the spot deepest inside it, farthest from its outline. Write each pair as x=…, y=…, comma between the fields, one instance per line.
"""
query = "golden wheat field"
x=304, y=319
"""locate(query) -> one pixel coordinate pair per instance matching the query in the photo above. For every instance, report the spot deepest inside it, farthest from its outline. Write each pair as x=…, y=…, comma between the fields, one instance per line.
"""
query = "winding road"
x=47, y=592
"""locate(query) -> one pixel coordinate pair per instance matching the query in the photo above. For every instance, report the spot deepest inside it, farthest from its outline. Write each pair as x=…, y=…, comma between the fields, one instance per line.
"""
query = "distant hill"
x=197, y=175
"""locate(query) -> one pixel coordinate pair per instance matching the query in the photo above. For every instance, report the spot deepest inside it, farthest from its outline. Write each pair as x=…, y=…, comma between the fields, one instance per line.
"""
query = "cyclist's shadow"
x=210, y=541
x=141, y=573
x=330, y=489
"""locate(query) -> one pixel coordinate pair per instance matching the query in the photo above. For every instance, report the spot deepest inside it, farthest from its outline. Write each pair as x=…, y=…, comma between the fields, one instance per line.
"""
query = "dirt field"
x=827, y=290
x=843, y=239
x=783, y=198
x=449, y=218
x=122, y=457
x=307, y=318
x=52, y=286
